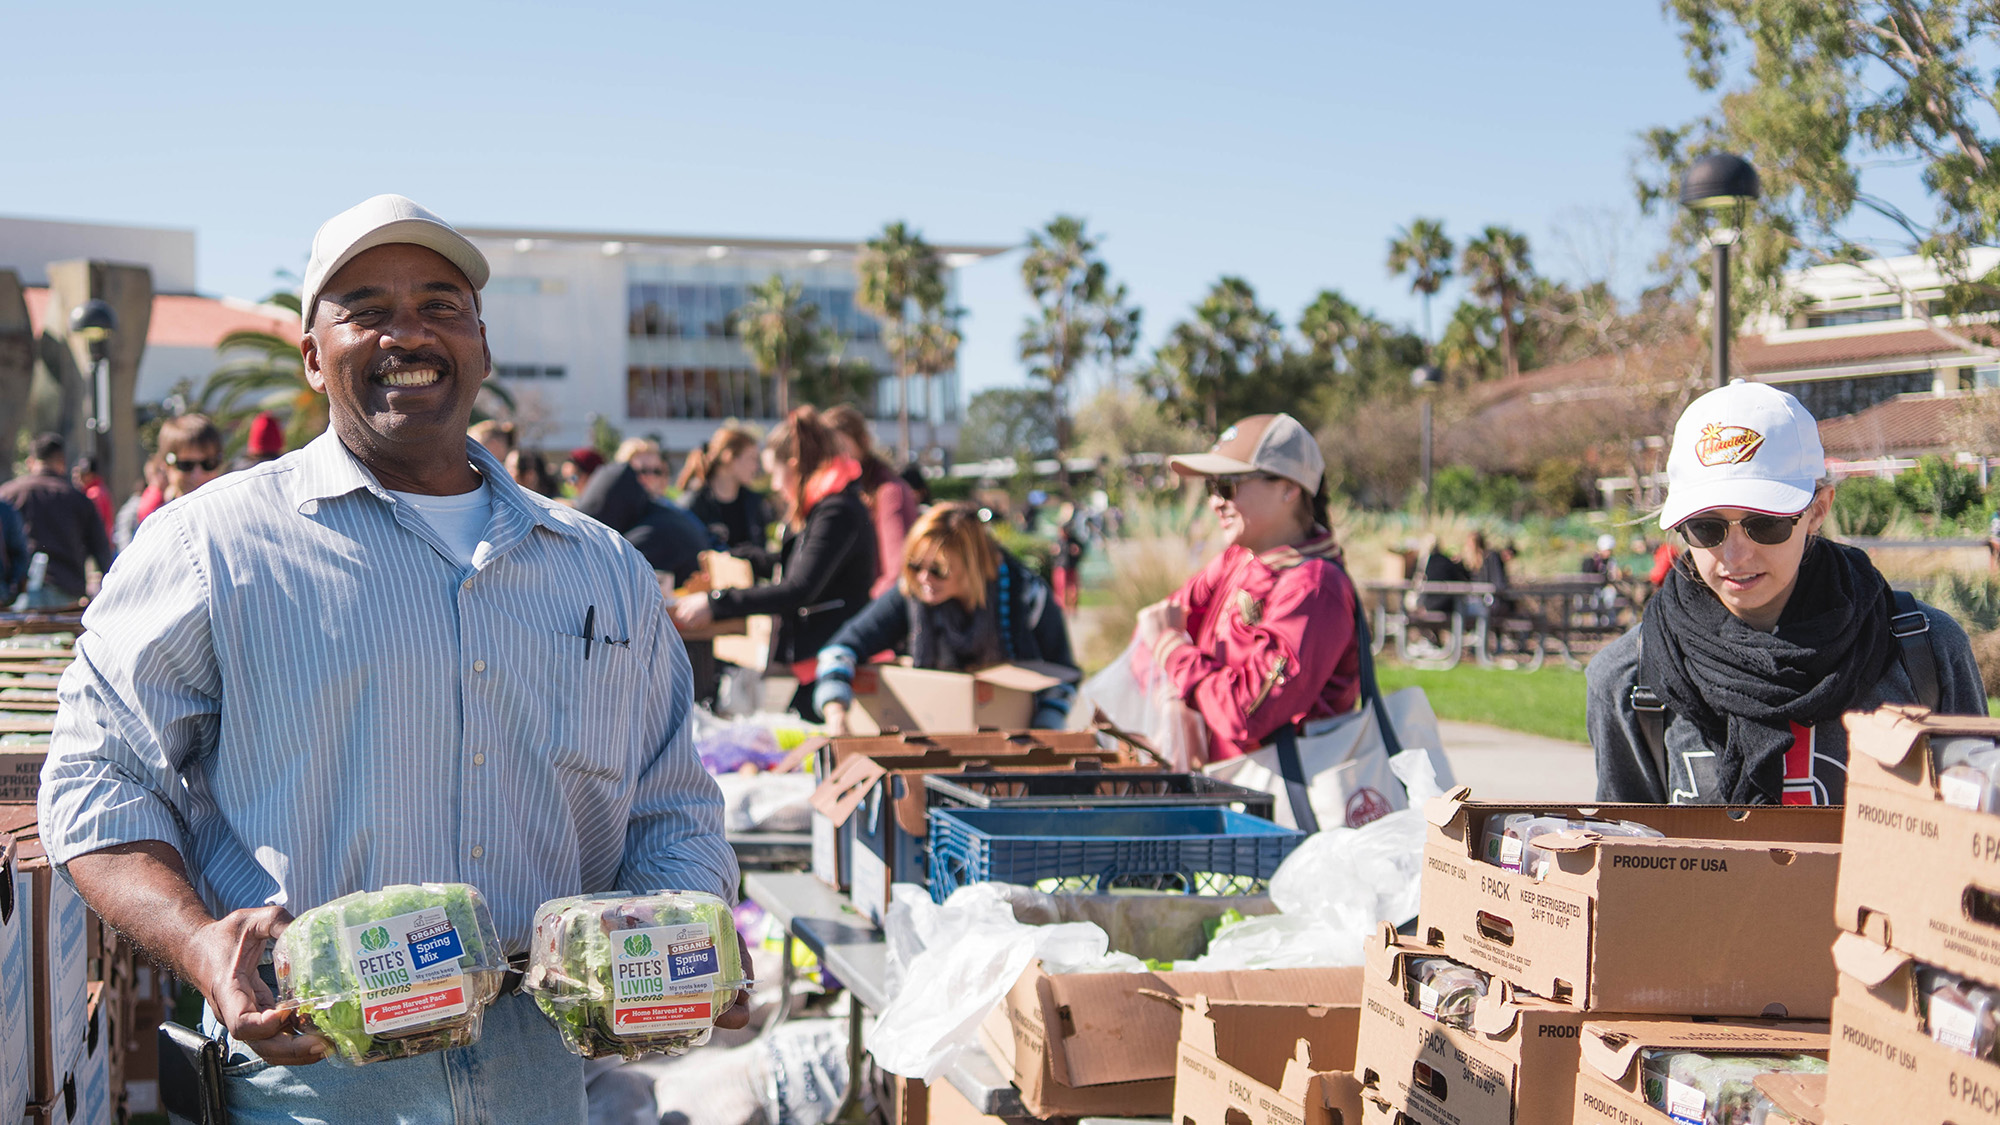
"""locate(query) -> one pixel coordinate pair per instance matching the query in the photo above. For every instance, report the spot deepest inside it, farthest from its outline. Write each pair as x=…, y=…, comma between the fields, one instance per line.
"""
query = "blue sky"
x=1280, y=142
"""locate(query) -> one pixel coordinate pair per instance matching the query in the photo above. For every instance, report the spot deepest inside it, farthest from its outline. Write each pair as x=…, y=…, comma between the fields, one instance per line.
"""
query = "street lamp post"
x=1721, y=188
x=95, y=321
x=1426, y=379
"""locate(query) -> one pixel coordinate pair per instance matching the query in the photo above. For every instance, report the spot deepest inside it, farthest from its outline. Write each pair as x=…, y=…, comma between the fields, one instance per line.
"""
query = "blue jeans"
x=519, y=1071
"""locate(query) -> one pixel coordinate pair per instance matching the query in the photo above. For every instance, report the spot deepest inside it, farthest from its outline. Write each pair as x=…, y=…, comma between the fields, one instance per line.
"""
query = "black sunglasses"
x=1224, y=487
x=937, y=573
x=175, y=460
x=1709, y=531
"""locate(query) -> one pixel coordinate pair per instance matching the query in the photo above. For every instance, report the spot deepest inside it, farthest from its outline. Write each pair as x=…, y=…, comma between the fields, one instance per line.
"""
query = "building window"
x=1868, y=315
x=695, y=312
x=696, y=392
x=529, y=371
x=1831, y=398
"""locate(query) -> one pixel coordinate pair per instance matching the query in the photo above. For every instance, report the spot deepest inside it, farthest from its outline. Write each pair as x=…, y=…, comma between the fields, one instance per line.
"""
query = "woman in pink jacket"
x=890, y=501
x=1264, y=635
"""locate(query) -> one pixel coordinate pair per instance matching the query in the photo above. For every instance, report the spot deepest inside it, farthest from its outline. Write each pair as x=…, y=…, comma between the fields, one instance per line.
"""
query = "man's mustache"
x=393, y=362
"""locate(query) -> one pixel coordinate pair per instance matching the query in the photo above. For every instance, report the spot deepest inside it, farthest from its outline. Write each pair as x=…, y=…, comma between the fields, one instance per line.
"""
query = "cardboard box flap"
x=1866, y=961
x=1299, y=1071
x=1027, y=675
x=1496, y=1012
x=1441, y=809
x=1609, y=1047
x=1104, y=1041
x=1892, y=731
x=843, y=790
x=1803, y=1096
x=1568, y=840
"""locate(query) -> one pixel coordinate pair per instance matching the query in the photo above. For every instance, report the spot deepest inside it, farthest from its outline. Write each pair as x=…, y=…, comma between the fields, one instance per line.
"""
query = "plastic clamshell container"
x=1204, y=850
x=634, y=974
x=1445, y=990
x=1958, y=1013
x=1701, y=1089
x=392, y=973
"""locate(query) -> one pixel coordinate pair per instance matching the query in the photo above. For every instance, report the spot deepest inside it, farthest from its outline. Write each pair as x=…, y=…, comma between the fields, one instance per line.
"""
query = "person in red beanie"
x=576, y=470
x=267, y=442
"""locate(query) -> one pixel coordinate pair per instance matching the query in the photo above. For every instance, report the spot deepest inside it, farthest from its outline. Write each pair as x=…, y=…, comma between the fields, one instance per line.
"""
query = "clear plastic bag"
x=1133, y=694
x=392, y=973
x=630, y=974
x=972, y=951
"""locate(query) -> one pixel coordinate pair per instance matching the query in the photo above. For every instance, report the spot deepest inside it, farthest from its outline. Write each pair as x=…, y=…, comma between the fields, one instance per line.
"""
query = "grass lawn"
x=1548, y=702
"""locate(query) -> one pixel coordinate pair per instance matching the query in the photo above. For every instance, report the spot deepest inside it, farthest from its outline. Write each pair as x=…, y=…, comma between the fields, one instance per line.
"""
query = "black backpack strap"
x=1371, y=691
x=1293, y=773
x=1912, y=629
x=1651, y=713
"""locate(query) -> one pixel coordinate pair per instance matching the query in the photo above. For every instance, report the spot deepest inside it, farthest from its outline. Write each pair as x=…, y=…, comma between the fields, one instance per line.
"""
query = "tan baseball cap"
x=1263, y=443
x=383, y=221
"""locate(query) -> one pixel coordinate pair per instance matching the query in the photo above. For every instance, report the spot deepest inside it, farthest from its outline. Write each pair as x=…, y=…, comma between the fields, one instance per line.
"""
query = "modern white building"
x=637, y=329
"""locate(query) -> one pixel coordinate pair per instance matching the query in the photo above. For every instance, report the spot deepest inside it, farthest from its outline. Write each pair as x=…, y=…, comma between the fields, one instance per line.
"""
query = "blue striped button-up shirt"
x=289, y=678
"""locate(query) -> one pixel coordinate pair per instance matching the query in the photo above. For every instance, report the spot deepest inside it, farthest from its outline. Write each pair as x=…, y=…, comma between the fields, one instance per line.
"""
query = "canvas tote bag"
x=1337, y=771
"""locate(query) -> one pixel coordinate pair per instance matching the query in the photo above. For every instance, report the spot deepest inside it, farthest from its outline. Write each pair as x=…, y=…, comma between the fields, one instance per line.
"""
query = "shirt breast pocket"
x=599, y=707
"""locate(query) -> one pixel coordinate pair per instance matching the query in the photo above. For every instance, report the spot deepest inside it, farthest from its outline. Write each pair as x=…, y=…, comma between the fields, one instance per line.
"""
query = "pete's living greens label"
x=664, y=978
x=408, y=968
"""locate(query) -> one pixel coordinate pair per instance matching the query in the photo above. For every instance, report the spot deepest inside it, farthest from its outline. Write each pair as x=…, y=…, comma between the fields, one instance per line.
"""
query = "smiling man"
x=376, y=660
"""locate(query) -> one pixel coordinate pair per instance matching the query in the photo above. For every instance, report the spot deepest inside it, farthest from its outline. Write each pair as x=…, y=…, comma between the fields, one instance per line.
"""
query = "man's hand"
x=221, y=961
x=738, y=1014
x=835, y=715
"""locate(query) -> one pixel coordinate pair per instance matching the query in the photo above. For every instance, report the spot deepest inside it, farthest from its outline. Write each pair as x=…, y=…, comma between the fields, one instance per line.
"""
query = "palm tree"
x=1082, y=316
x=1497, y=265
x=897, y=268
x=932, y=347
x=780, y=330
x=1332, y=326
x=1468, y=348
x=1422, y=251
x=1230, y=339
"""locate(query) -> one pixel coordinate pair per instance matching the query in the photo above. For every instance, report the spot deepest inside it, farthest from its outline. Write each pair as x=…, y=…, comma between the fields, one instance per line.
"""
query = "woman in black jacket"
x=826, y=563
x=960, y=604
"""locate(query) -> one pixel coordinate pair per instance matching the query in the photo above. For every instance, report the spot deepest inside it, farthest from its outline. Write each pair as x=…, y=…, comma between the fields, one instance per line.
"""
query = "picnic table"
x=1537, y=617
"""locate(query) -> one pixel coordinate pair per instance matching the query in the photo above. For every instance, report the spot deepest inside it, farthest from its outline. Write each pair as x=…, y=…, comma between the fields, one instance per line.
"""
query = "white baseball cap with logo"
x=382, y=221
x=1262, y=443
x=1748, y=446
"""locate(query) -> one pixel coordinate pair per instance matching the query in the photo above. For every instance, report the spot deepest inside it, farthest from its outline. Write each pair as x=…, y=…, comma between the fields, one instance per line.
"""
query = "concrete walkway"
x=1505, y=765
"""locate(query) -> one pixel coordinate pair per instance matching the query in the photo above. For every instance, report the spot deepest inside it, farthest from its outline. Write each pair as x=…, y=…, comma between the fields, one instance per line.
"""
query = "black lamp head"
x=93, y=320
x=1425, y=377
x=1718, y=182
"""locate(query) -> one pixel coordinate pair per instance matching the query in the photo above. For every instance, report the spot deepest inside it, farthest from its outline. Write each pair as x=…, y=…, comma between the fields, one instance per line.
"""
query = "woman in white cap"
x=1731, y=689
x=1264, y=635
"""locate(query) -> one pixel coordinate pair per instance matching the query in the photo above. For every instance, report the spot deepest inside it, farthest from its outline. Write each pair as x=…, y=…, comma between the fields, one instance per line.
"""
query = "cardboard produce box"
x=1885, y=1065
x=1516, y=1064
x=875, y=805
x=1087, y=1044
x=16, y=980
x=56, y=921
x=1266, y=1063
x=1607, y=927
x=1897, y=824
x=896, y=697
x=1609, y=1083
x=21, y=773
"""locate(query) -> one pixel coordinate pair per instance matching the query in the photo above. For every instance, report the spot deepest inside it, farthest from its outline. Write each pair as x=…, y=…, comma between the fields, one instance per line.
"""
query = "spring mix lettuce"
x=631, y=974
x=392, y=973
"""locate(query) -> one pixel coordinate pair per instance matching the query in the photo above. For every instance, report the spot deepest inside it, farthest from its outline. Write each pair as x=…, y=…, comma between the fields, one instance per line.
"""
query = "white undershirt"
x=458, y=520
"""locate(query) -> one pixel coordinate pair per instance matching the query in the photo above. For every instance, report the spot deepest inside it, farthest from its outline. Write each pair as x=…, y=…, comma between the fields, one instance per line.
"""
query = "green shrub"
x=1971, y=599
x=1864, y=505
x=1037, y=553
x=1463, y=489
x=1937, y=487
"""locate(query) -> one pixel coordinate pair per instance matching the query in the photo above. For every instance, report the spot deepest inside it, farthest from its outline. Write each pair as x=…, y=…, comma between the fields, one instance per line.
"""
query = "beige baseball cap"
x=1263, y=443
x=382, y=221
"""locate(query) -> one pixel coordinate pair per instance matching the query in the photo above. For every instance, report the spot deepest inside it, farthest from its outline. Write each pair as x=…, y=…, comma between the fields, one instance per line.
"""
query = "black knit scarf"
x=1744, y=688
x=951, y=638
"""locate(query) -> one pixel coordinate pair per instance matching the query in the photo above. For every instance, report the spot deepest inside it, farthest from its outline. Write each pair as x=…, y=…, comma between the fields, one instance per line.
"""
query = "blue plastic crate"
x=1198, y=851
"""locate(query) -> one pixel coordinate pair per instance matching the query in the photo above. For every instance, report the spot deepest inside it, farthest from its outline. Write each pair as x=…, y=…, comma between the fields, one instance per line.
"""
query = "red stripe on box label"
x=661, y=1013
x=414, y=1005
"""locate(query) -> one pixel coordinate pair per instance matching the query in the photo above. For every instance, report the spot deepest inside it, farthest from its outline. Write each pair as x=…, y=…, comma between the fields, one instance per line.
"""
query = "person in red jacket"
x=1264, y=635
